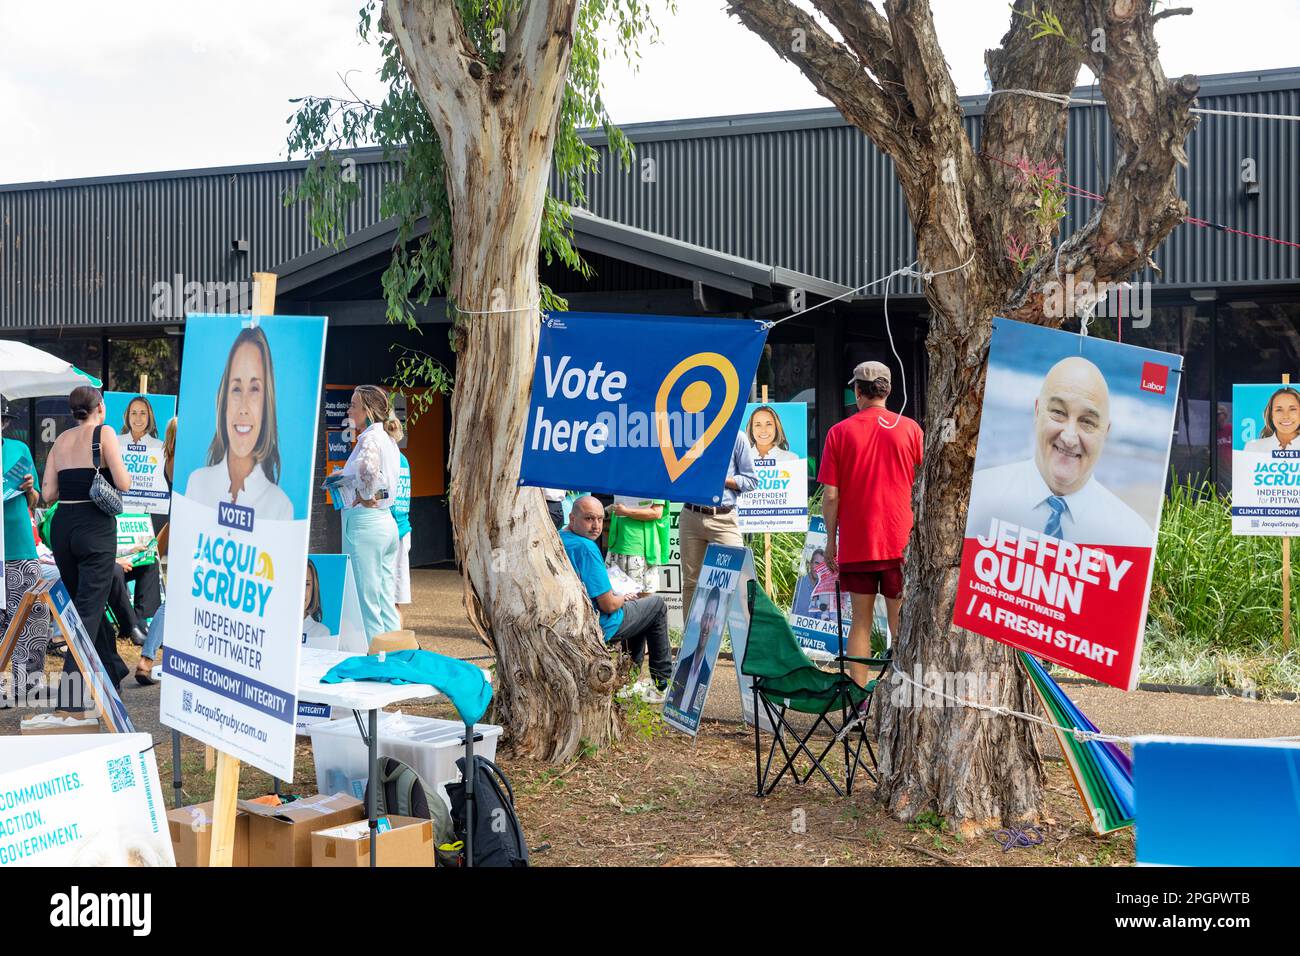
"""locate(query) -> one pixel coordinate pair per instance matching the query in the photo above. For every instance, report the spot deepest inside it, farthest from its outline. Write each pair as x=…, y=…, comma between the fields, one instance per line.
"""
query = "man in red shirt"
x=868, y=466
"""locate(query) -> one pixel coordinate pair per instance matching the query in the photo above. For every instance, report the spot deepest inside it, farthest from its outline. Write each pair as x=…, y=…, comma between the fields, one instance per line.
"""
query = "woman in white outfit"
x=244, y=457
x=369, y=485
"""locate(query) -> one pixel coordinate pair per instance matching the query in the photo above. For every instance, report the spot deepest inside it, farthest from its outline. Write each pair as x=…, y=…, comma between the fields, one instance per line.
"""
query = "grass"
x=1216, y=601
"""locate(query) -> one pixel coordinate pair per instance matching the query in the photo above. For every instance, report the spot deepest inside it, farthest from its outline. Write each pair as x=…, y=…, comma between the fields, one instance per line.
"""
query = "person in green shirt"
x=22, y=570
x=638, y=540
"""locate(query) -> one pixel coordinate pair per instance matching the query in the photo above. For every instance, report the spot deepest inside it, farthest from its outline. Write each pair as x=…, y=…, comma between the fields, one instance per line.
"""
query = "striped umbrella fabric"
x=1103, y=774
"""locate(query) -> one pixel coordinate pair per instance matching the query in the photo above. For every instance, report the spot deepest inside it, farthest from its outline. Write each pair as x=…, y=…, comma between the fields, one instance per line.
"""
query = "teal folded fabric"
x=462, y=682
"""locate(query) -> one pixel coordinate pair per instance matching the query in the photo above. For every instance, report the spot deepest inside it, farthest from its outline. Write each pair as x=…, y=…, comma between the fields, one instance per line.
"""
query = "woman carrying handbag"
x=85, y=474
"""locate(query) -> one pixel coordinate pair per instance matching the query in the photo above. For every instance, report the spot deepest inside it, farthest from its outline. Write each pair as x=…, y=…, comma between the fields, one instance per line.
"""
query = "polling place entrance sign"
x=646, y=406
x=240, y=512
x=1069, y=483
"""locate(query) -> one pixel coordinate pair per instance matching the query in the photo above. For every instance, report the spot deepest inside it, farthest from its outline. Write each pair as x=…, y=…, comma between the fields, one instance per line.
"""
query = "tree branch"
x=837, y=74
x=444, y=68
x=1150, y=121
x=1019, y=127
x=530, y=53
x=867, y=34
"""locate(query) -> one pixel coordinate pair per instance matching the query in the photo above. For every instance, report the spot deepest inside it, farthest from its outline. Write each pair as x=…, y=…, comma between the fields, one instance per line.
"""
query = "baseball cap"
x=870, y=371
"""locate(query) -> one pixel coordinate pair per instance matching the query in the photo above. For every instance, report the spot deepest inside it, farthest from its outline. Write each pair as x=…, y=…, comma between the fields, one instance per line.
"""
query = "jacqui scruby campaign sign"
x=1069, y=484
x=240, y=513
x=1265, y=423
x=646, y=406
x=141, y=423
x=778, y=434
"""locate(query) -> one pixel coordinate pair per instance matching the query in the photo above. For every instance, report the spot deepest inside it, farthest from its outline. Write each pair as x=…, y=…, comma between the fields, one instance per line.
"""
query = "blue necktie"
x=1058, y=506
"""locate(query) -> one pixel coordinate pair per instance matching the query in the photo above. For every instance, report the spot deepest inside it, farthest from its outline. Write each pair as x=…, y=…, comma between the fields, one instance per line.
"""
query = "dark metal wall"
x=808, y=192
x=799, y=190
x=89, y=252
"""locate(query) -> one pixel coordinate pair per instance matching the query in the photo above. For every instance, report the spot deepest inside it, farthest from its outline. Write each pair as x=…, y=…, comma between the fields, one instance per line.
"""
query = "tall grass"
x=1216, y=601
x=787, y=549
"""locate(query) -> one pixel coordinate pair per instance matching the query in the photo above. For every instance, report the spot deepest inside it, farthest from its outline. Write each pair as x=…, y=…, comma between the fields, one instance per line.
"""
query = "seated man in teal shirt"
x=637, y=622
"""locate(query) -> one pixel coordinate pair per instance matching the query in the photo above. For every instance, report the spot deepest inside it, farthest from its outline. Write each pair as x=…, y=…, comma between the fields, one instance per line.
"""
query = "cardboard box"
x=191, y=830
x=281, y=836
x=30, y=730
x=409, y=842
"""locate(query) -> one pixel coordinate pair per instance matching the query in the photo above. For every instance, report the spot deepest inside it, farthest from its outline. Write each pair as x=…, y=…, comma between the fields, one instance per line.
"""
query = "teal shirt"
x=19, y=544
x=402, y=506
x=585, y=558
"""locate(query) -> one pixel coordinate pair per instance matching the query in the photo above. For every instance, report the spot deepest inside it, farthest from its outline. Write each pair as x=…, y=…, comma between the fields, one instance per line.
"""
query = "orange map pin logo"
x=695, y=398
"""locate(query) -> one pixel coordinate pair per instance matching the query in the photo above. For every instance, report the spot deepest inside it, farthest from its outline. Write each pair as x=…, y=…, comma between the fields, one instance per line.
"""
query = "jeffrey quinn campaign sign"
x=1065, y=503
x=647, y=406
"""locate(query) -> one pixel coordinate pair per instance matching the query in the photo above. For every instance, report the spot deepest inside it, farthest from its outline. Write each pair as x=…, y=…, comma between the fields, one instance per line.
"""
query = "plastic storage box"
x=429, y=746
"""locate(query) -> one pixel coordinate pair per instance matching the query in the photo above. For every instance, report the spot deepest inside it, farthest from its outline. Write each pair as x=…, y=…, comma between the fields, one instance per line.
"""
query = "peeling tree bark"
x=888, y=77
x=497, y=129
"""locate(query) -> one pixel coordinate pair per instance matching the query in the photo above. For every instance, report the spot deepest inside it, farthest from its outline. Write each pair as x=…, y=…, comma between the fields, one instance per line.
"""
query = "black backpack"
x=405, y=794
x=498, y=837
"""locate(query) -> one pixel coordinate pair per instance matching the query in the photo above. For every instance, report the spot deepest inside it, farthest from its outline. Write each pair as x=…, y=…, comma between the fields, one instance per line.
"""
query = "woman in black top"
x=83, y=538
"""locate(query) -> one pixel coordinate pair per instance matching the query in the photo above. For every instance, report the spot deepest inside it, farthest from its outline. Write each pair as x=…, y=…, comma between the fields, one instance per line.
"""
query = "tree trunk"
x=998, y=778
x=554, y=674
x=888, y=77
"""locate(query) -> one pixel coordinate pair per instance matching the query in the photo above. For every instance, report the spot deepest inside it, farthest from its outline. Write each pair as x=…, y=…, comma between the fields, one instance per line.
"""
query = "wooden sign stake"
x=1286, y=572
x=226, y=789
x=767, y=542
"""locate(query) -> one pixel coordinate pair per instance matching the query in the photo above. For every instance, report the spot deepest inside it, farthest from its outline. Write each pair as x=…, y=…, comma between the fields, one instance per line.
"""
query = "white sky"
x=102, y=88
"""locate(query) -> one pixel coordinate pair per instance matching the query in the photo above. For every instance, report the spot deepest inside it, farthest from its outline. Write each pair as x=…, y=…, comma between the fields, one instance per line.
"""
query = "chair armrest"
x=874, y=661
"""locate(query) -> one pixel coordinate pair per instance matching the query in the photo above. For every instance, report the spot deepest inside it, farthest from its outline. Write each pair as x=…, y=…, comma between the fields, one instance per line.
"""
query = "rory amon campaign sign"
x=241, y=505
x=1069, y=483
x=638, y=405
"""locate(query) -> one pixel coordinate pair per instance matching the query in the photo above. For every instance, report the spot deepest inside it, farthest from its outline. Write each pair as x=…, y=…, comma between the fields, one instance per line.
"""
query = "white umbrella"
x=27, y=372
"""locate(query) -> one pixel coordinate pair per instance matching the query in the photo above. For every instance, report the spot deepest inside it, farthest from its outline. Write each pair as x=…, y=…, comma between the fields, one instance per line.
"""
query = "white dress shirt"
x=211, y=486
x=1017, y=493
x=374, y=466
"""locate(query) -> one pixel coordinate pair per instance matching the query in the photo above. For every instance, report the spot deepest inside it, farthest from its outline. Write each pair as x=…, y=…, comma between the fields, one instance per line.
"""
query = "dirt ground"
x=657, y=798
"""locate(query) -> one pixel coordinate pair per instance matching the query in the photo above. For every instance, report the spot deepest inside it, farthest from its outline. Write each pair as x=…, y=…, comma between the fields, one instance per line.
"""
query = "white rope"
x=906, y=270
x=524, y=308
x=901, y=370
x=1064, y=99
x=1075, y=732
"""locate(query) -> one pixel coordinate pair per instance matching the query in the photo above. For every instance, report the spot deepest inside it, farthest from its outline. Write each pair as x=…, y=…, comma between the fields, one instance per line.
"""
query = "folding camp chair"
x=784, y=680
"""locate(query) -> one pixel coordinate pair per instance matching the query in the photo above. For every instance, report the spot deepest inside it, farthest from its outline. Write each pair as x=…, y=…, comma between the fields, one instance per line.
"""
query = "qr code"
x=187, y=701
x=120, y=774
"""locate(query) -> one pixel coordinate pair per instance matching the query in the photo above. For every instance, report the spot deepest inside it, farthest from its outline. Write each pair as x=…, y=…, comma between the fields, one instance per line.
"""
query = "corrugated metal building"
x=724, y=215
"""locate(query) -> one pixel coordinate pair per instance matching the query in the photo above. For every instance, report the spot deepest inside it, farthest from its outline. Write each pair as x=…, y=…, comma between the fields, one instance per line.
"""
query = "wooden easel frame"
x=79, y=645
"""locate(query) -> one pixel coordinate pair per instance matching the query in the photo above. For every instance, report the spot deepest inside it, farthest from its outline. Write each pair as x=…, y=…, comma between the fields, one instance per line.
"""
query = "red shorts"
x=870, y=577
